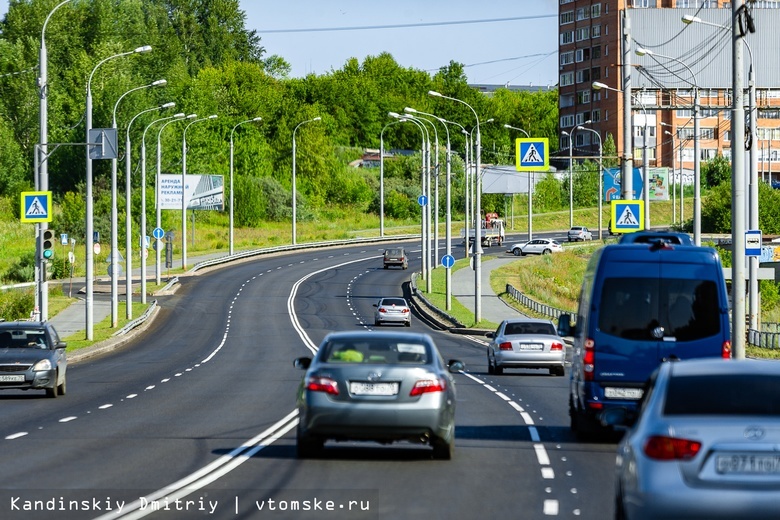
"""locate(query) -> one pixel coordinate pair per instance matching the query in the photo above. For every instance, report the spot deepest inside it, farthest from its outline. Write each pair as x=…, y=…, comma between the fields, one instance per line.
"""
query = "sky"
x=500, y=42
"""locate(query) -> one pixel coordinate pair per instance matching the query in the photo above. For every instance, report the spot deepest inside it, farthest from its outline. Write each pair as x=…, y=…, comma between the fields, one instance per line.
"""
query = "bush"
x=17, y=304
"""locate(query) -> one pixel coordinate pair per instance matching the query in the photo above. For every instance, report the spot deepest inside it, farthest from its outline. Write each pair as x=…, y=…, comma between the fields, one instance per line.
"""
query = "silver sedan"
x=526, y=343
x=537, y=246
x=705, y=444
x=392, y=310
x=377, y=386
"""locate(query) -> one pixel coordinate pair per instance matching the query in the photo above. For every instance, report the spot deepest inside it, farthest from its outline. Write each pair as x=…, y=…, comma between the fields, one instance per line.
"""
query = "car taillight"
x=405, y=310
x=725, y=351
x=660, y=447
x=556, y=346
x=322, y=384
x=589, y=360
x=425, y=386
x=505, y=346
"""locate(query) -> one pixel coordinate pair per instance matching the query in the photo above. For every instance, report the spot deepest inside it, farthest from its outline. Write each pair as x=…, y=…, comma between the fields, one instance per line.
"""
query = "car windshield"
x=394, y=301
x=529, y=328
x=731, y=394
x=375, y=350
x=632, y=307
x=394, y=252
x=23, y=338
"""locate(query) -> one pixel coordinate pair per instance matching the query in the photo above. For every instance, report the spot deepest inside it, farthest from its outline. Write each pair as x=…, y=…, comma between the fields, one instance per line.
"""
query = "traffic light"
x=47, y=246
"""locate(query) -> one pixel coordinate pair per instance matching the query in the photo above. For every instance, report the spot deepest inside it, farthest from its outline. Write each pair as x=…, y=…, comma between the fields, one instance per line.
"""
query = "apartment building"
x=669, y=61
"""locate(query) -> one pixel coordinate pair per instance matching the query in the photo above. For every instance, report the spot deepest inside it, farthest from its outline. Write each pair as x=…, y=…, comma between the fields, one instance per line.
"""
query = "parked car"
x=705, y=444
x=639, y=305
x=377, y=386
x=646, y=237
x=32, y=357
x=578, y=233
x=537, y=246
x=395, y=256
x=392, y=310
x=525, y=343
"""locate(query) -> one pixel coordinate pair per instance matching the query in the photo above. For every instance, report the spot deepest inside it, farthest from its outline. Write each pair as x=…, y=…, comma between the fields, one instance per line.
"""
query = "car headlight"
x=43, y=364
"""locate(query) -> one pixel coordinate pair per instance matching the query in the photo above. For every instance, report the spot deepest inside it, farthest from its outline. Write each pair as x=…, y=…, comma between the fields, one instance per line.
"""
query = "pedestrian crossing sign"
x=532, y=154
x=627, y=216
x=36, y=206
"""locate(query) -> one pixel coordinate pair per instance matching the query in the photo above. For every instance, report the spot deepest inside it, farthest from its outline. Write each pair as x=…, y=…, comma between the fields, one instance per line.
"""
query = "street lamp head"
x=145, y=48
x=489, y=120
x=159, y=82
x=434, y=93
x=410, y=110
x=169, y=104
x=318, y=118
x=689, y=19
x=192, y=116
x=257, y=119
x=641, y=51
x=212, y=116
x=597, y=85
x=507, y=126
x=394, y=114
x=179, y=115
x=564, y=132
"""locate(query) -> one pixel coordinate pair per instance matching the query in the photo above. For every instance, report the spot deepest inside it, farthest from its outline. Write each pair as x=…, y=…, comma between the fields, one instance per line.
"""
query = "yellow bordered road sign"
x=627, y=216
x=36, y=206
x=532, y=154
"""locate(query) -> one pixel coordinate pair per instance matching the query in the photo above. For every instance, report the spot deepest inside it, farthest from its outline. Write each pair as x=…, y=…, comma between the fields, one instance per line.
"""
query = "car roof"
x=719, y=367
x=357, y=334
x=526, y=320
x=23, y=325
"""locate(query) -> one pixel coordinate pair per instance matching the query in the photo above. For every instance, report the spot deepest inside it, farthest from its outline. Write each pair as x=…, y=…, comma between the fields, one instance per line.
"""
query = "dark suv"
x=395, y=256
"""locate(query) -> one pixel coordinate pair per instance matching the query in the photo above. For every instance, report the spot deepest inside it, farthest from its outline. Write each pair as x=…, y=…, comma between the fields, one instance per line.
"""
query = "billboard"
x=205, y=192
x=659, y=184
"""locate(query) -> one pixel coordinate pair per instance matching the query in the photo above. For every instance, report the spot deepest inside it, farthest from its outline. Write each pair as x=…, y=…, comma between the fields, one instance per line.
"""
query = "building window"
x=564, y=2
x=566, y=79
x=567, y=57
x=596, y=96
x=583, y=97
x=567, y=17
x=707, y=133
x=595, y=52
x=567, y=121
x=595, y=31
x=582, y=117
x=583, y=76
x=595, y=10
x=579, y=139
x=595, y=74
x=582, y=33
x=567, y=37
x=567, y=101
x=583, y=13
x=595, y=116
x=582, y=55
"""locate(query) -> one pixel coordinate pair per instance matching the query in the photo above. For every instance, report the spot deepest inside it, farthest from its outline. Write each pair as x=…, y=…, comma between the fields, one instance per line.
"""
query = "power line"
x=406, y=26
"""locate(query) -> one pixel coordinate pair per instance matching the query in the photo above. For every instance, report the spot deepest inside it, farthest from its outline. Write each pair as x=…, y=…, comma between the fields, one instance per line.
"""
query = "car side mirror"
x=565, y=327
x=61, y=345
x=302, y=362
x=490, y=335
x=375, y=305
x=455, y=365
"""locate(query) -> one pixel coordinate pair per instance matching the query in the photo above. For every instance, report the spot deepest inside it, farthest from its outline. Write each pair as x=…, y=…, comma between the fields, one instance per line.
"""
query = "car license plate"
x=358, y=388
x=531, y=346
x=748, y=464
x=612, y=392
x=12, y=379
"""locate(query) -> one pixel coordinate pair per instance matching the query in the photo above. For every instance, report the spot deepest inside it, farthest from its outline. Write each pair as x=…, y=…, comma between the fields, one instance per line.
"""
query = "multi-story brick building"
x=682, y=57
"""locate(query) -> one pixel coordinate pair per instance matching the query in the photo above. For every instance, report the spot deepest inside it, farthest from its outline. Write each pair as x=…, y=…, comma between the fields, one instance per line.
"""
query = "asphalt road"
x=197, y=416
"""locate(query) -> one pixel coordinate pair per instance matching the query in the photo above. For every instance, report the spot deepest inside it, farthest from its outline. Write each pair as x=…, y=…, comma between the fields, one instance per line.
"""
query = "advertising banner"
x=205, y=192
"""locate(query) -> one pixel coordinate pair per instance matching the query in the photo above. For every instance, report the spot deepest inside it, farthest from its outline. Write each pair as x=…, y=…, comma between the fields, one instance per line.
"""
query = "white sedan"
x=537, y=246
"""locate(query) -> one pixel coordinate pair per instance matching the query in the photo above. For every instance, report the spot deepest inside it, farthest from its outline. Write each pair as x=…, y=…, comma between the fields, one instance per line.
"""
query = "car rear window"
x=372, y=350
x=529, y=328
x=394, y=301
x=733, y=394
x=632, y=308
x=394, y=252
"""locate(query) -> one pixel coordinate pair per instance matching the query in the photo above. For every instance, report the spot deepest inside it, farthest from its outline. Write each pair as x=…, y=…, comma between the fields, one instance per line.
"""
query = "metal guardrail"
x=768, y=338
x=138, y=321
x=309, y=245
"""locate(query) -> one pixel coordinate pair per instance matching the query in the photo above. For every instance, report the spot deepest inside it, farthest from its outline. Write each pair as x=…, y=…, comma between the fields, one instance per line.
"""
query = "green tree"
x=716, y=171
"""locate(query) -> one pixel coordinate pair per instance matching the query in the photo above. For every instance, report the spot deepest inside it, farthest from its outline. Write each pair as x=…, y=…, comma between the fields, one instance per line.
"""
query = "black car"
x=32, y=357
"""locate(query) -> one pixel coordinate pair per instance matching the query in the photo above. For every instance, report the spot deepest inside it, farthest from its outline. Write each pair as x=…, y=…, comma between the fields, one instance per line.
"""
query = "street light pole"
x=90, y=217
x=382, y=177
x=157, y=191
x=114, y=267
x=530, y=187
x=294, y=195
x=256, y=119
x=477, y=212
x=42, y=181
x=571, y=178
x=183, y=189
x=601, y=176
x=128, y=220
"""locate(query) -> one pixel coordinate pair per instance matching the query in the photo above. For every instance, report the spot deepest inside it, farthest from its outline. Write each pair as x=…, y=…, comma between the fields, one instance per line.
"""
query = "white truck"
x=492, y=231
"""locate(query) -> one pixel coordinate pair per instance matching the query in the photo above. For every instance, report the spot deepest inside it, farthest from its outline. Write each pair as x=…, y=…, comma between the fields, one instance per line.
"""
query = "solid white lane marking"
x=105, y=406
x=541, y=455
x=68, y=419
x=15, y=436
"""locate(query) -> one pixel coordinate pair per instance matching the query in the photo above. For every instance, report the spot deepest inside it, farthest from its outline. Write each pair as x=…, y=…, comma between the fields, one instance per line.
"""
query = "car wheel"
x=376, y=323
x=62, y=387
x=443, y=450
x=546, y=252
x=52, y=392
x=498, y=370
x=408, y=323
x=620, y=511
x=556, y=371
x=307, y=446
x=516, y=251
x=491, y=370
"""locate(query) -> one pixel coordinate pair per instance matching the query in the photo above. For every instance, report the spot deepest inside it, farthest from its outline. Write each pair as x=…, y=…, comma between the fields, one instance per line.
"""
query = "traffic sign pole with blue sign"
x=532, y=154
x=627, y=216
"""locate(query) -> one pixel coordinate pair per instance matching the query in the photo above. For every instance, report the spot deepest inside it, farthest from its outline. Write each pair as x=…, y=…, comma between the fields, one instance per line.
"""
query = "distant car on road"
x=32, y=357
x=578, y=233
x=392, y=310
x=395, y=256
x=377, y=386
x=526, y=343
x=537, y=246
x=647, y=237
x=705, y=444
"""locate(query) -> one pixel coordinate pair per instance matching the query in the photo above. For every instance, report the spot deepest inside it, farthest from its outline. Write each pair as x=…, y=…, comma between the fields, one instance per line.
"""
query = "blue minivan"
x=641, y=304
